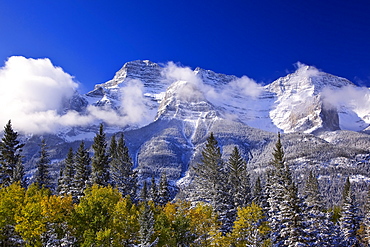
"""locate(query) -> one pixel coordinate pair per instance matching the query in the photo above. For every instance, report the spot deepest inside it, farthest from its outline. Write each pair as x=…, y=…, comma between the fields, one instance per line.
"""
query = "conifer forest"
x=100, y=200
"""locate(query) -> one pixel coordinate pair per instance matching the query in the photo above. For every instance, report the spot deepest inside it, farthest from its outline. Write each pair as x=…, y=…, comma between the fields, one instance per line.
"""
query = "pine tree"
x=146, y=221
x=212, y=185
x=238, y=179
x=121, y=168
x=366, y=220
x=258, y=192
x=144, y=193
x=153, y=191
x=65, y=182
x=319, y=226
x=285, y=216
x=100, y=162
x=81, y=175
x=43, y=178
x=11, y=167
x=164, y=195
x=350, y=220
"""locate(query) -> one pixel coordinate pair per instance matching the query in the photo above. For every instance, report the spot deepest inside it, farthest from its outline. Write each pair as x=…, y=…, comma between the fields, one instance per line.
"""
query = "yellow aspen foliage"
x=94, y=213
x=125, y=222
x=30, y=221
x=203, y=224
x=11, y=201
x=250, y=227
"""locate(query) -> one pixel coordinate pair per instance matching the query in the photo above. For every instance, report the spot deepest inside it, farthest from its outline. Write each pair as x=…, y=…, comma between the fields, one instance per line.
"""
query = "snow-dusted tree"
x=153, y=191
x=366, y=221
x=65, y=182
x=11, y=167
x=259, y=194
x=100, y=160
x=350, y=220
x=43, y=178
x=123, y=177
x=144, y=192
x=82, y=171
x=211, y=183
x=285, y=216
x=146, y=221
x=238, y=178
x=164, y=195
x=320, y=229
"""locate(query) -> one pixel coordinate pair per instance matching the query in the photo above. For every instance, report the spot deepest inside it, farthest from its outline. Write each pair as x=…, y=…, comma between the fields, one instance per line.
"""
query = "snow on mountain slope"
x=302, y=101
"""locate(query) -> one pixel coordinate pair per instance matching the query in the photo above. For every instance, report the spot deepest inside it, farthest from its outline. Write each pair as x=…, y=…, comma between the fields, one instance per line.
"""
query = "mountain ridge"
x=181, y=107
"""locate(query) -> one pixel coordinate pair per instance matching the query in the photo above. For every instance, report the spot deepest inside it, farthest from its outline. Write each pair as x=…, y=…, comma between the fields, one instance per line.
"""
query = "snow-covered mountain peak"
x=143, y=70
x=185, y=100
x=307, y=78
x=212, y=78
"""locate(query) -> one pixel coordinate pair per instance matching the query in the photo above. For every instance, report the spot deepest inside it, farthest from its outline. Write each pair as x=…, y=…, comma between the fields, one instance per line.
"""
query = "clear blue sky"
x=262, y=39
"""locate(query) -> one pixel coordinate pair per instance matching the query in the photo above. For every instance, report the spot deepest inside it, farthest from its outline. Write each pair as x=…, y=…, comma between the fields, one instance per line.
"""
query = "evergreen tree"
x=350, y=220
x=11, y=167
x=43, y=178
x=81, y=174
x=258, y=192
x=100, y=162
x=366, y=221
x=238, y=179
x=346, y=189
x=153, y=192
x=65, y=182
x=146, y=221
x=285, y=216
x=121, y=168
x=144, y=193
x=212, y=185
x=320, y=228
x=164, y=195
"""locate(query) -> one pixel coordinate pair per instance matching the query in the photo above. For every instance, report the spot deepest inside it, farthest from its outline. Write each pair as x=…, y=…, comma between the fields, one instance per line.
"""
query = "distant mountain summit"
x=296, y=102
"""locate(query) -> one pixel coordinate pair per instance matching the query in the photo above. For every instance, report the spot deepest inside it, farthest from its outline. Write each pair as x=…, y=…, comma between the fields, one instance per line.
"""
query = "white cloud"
x=305, y=70
x=33, y=91
x=173, y=73
x=134, y=108
x=357, y=98
x=246, y=86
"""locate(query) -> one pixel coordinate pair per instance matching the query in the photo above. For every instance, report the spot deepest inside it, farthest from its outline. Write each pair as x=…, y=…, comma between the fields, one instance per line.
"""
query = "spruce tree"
x=164, y=195
x=82, y=172
x=285, y=215
x=123, y=177
x=146, y=222
x=366, y=220
x=153, y=191
x=11, y=167
x=43, y=178
x=144, y=193
x=319, y=226
x=65, y=182
x=350, y=220
x=258, y=192
x=211, y=183
x=100, y=162
x=238, y=179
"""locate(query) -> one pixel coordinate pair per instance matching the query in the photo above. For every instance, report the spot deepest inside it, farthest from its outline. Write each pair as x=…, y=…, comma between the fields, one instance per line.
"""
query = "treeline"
x=99, y=201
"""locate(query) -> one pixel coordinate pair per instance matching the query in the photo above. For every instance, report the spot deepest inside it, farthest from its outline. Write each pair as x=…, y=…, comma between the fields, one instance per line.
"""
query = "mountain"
x=166, y=113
